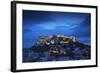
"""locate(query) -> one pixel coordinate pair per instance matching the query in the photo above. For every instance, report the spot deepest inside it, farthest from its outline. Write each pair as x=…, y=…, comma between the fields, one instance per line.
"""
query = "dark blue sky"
x=37, y=23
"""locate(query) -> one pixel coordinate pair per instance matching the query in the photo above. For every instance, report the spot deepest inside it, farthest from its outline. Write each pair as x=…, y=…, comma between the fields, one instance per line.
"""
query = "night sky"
x=37, y=23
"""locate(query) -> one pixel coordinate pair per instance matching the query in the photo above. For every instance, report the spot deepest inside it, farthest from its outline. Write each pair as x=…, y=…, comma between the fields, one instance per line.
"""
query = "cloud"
x=35, y=17
x=37, y=23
